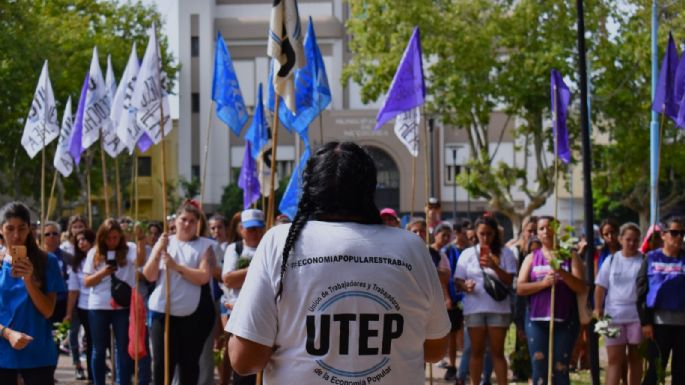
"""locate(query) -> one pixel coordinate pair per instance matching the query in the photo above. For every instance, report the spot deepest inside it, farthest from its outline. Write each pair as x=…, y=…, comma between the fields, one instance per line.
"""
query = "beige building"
x=244, y=25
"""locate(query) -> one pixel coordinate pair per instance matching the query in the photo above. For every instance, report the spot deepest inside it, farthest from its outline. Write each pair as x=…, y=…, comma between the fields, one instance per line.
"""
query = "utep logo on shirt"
x=367, y=334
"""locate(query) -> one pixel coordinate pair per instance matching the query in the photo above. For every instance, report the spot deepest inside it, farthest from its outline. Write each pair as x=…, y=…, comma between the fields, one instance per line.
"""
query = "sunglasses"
x=675, y=233
x=52, y=234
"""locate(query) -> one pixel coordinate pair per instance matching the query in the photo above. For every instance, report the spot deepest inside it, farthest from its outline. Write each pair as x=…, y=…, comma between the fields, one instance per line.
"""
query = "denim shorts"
x=487, y=319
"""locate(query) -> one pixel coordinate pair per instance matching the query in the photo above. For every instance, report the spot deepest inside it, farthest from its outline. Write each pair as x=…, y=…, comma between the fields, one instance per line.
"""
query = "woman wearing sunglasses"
x=661, y=303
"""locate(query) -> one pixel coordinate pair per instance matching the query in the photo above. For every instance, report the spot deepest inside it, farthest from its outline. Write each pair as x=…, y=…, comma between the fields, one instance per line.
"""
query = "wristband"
x=2, y=331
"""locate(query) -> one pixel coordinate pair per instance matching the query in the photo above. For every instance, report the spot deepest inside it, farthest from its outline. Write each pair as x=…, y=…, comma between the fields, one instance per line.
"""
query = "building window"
x=195, y=171
x=144, y=166
x=451, y=172
x=454, y=162
x=195, y=46
x=195, y=102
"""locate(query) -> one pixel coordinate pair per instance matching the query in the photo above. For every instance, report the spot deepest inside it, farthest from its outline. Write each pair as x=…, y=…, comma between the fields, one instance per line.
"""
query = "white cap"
x=252, y=218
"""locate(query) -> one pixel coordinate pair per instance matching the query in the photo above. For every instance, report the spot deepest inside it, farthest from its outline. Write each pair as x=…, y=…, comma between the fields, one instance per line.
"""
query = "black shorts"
x=456, y=318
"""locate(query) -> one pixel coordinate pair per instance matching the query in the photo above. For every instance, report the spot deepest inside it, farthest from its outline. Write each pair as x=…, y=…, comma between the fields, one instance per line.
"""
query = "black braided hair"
x=338, y=184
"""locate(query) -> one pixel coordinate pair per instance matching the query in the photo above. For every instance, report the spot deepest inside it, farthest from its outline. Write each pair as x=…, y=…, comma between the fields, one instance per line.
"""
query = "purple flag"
x=665, y=101
x=75, y=147
x=248, y=180
x=561, y=96
x=144, y=143
x=407, y=89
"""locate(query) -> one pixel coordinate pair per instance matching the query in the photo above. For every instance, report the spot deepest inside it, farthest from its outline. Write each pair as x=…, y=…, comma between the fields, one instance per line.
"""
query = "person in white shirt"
x=616, y=296
x=336, y=296
x=187, y=259
x=109, y=265
x=486, y=318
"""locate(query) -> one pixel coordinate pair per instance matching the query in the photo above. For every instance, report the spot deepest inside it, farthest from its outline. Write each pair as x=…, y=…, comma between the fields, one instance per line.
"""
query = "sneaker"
x=451, y=373
x=80, y=374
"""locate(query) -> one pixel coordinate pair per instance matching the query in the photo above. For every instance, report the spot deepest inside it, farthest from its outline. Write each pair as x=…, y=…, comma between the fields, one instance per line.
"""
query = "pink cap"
x=389, y=211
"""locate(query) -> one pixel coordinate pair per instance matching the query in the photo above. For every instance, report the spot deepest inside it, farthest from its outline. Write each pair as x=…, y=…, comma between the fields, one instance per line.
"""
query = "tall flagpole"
x=274, y=147
x=42, y=187
x=550, y=346
x=105, y=193
x=654, y=136
x=426, y=182
x=204, y=166
x=52, y=193
x=118, y=185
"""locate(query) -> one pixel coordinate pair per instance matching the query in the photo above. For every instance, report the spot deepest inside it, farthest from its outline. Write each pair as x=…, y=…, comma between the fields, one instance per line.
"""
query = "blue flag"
x=271, y=94
x=312, y=93
x=407, y=89
x=248, y=179
x=560, y=98
x=291, y=196
x=230, y=107
x=665, y=101
x=75, y=145
x=258, y=133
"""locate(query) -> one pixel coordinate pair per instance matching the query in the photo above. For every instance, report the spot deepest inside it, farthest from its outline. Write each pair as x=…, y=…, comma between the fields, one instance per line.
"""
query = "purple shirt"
x=539, y=303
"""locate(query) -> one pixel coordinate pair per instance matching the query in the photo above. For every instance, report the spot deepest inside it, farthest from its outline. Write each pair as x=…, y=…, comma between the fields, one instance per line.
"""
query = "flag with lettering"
x=407, y=129
x=150, y=99
x=561, y=97
x=312, y=92
x=112, y=143
x=63, y=161
x=123, y=116
x=41, y=125
x=75, y=143
x=96, y=113
x=230, y=106
x=664, y=97
x=248, y=180
x=264, y=159
x=285, y=46
x=407, y=89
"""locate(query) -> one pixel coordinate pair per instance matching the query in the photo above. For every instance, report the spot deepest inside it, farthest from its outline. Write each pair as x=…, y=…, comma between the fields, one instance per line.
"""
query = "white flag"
x=96, y=112
x=123, y=116
x=285, y=46
x=112, y=143
x=407, y=129
x=41, y=125
x=264, y=169
x=150, y=98
x=63, y=161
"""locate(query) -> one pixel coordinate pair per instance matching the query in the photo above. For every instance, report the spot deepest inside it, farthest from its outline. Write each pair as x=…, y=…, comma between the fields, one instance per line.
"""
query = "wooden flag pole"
x=117, y=182
x=413, y=186
x=427, y=181
x=550, y=348
x=105, y=193
x=134, y=188
x=90, y=199
x=204, y=165
x=42, y=193
x=52, y=193
x=274, y=147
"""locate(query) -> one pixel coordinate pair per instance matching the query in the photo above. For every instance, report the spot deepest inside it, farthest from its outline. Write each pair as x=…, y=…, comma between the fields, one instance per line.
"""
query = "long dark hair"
x=80, y=256
x=38, y=257
x=496, y=244
x=338, y=184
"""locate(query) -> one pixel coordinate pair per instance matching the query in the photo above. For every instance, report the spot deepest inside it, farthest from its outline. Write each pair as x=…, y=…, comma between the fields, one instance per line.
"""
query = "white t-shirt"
x=231, y=259
x=184, y=295
x=618, y=275
x=468, y=267
x=101, y=294
x=372, y=289
x=75, y=283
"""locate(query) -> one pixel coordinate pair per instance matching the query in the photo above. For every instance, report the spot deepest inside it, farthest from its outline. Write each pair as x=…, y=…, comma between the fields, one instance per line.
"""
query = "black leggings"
x=83, y=317
x=187, y=336
x=671, y=341
x=44, y=375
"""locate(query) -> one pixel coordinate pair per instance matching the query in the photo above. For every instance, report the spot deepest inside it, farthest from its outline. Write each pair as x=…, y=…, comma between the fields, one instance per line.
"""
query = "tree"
x=622, y=105
x=63, y=32
x=482, y=55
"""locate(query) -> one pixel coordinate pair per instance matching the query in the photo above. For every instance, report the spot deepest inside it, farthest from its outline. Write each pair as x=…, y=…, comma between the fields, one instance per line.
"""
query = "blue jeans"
x=466, y=358
x=565, y=335
x=100, y=321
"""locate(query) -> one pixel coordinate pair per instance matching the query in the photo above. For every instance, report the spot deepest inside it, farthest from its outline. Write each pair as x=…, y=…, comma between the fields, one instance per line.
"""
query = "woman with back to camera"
x=535, y=281
x=188, y=258
x=110, y=263
x=336, y=295
x=29, y=282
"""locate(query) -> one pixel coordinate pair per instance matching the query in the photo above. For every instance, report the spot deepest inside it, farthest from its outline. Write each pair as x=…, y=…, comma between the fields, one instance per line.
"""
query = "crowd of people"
x=300, y=302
